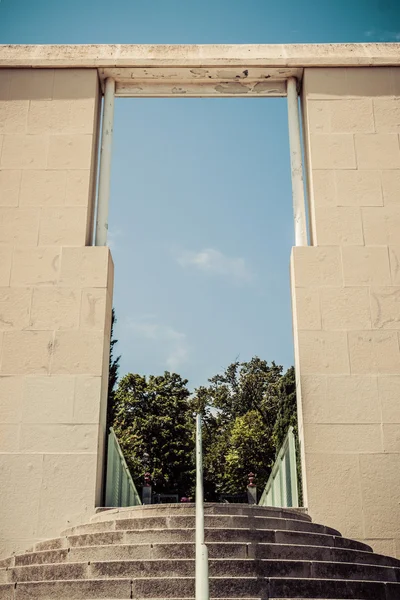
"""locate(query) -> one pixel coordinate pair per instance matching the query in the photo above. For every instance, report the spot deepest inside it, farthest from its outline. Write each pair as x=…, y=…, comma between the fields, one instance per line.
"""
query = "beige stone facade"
x=55, y=303
x=346, y=303
x=56, y=288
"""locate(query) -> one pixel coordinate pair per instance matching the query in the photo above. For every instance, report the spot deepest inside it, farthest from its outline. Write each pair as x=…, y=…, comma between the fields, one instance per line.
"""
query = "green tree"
x=153, y=419
x=112, y=374
x=247, y=411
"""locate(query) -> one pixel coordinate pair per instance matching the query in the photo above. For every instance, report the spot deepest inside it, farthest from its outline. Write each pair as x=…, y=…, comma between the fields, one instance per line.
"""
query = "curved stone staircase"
x=148, y=552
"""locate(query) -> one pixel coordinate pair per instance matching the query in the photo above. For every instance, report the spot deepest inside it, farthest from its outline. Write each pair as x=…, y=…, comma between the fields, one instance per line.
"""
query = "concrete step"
x=210, y=521
x=215, y=550
x=132, y=512
x=217, y=568
x=153, y=536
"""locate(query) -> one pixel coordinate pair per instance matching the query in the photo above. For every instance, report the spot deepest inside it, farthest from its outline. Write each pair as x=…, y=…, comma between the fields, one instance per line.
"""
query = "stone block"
x=380, y=485
x=335, y=476
x=15, y=306
x=307, y=309
x=389, y=393
x=345, y=308
x=74, y=84
x=67, y=494
x=31, y=84
x=377, y=151
x=9, y=187
x=385, y=307
x=55, y=308
x=333, y=151
x=352, y=116
x=83, y=115
x=327, y=399
x=9, y=437
x=10, y=399
x=343, y=438
x=391, y=437
x=365, y=266
x=15, y=469
x=319, y=116
x=316, y=266
x=52, y=438
x=95, y=309
x=19, y=226
x=78, y=186
x=49, y=116
x=78, y=352
x=391, y=187
x=14, y=116
x=70, y=152
x=5, y=82
x=381, y=225
x=87, y=399
x=43, y=188
x=338, y=226
x=368, y=82
x=374, y=352
x=35, y=266
x=63, y=226
x=90, y=266
x=5, y=265
x=387, y=115
x=48, y=399
x=26, y=352
x=24, y=152
x=324, y=188
x=358, y=188
x=323, y=352
x=394, y=256
x=324, y=84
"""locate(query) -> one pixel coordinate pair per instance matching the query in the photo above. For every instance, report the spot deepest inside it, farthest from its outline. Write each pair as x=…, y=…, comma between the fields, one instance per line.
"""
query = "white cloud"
x=112, y=236
x=172, y=343
x=383, y=35
x=215, y=262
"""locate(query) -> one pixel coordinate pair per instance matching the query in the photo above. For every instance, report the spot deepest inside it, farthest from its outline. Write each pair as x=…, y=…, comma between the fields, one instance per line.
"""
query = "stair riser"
x=219, y=588
x=188, y=522
x=211, y=535
x=215, y=550
x=217, y=568
x=189, y=510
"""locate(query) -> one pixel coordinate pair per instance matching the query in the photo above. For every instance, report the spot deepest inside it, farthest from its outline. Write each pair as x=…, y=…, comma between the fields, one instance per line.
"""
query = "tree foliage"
x=247, y=411
x=112, y=374
x=154, y=425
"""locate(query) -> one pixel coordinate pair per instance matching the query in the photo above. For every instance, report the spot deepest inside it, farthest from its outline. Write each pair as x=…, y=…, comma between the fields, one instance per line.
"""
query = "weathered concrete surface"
x=346, y=304
x=55, y=304
x=199, y=56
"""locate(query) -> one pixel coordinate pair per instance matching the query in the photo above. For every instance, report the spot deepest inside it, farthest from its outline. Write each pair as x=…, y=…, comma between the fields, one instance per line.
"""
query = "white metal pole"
x=105, y=164
x=299, y=207
x=202, y=585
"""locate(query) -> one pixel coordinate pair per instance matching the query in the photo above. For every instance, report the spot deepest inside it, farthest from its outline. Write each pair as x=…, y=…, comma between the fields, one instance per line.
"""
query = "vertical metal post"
x=202, y=585
x=296, y=161
x=105, y=164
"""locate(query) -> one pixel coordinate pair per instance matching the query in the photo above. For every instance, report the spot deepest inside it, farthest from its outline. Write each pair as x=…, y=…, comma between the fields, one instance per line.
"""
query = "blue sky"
x=201, y=214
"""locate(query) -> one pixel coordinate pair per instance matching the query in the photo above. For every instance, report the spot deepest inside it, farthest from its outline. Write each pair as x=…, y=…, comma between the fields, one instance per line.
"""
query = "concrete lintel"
x=198, y=56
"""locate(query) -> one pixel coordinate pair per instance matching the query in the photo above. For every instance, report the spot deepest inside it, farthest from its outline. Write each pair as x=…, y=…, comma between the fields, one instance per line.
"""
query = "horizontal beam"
x=223, y=55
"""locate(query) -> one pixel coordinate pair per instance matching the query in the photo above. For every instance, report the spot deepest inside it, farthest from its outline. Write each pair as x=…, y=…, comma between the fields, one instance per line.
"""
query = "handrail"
x=202, y=584
x=281, y=488
x=120, y=488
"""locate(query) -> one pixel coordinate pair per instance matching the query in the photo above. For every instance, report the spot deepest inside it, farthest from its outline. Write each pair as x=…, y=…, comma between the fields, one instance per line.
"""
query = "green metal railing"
x=120, y=489
x=281, y=488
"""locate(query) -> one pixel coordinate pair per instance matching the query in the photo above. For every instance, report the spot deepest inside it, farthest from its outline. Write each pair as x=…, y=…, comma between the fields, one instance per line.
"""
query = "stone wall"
x=346, y=304
x=55, y=304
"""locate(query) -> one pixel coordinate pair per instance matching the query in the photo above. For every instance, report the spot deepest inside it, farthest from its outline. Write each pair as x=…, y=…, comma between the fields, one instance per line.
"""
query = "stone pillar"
x=55, y=305
x=346, y=304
